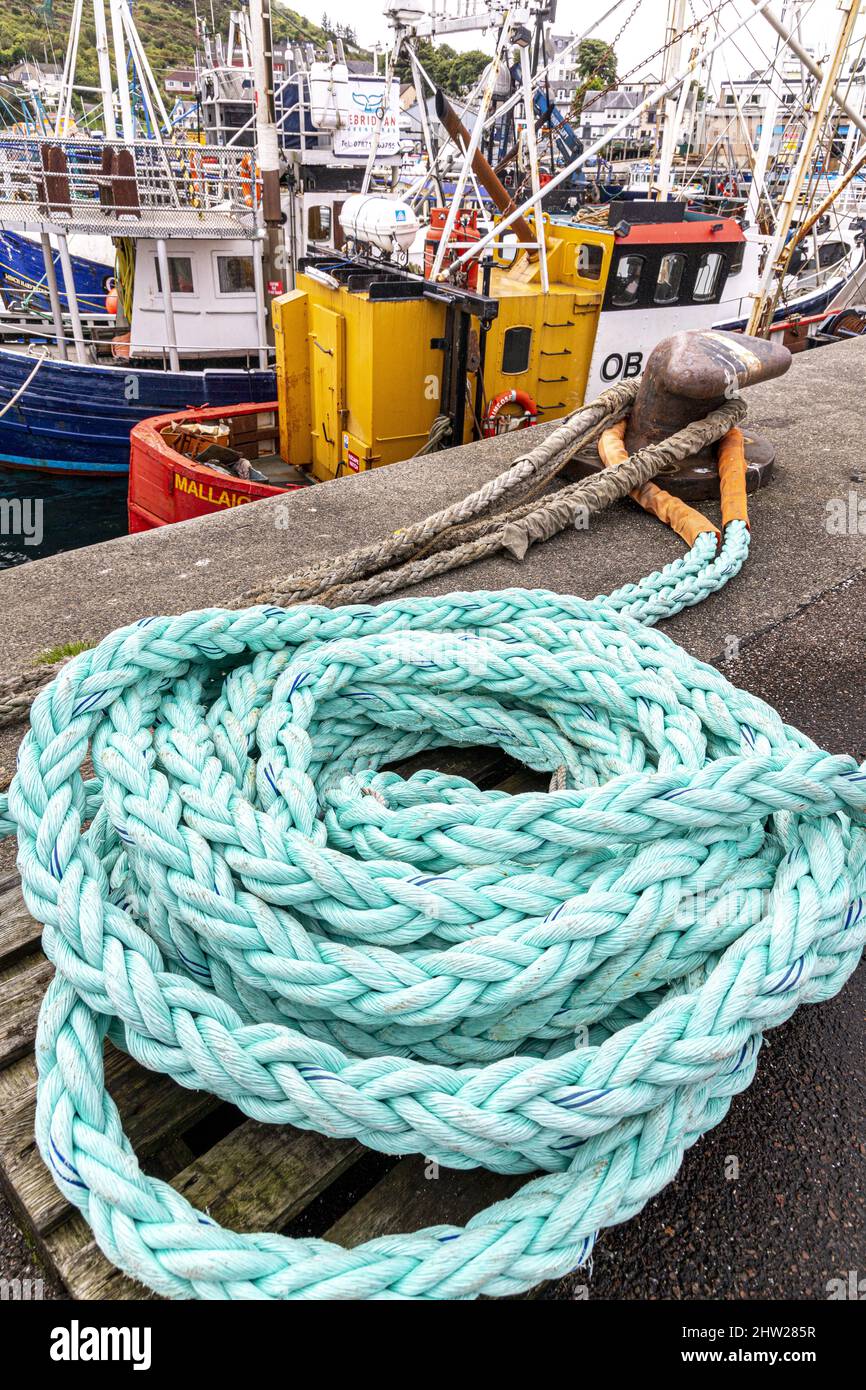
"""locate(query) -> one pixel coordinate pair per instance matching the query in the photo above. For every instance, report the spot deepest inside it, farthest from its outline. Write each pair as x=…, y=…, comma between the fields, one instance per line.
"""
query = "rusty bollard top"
x=690, y=374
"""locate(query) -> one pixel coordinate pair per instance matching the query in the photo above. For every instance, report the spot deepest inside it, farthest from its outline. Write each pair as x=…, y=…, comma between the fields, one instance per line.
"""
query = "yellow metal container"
x=360, y=379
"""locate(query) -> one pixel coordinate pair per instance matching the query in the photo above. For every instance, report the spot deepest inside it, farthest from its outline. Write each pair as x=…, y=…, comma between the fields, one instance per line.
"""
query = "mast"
x=529, y=110
x=671, y=62
x=765, y=144
x=421, y=81
x=471, y=150
x=808, y=62
x=777, y=260
x=268, y=153
x=103, y=59
x=654, y=97
x=126, y=120
x=64, y=102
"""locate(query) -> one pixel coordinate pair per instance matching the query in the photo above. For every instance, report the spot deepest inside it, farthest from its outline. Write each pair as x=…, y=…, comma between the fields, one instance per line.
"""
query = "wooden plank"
x=19, y=932
x=484, y=766
x=73, y=1255
x=407, y=1199
x=261, y=1176
x=155, y=1112
x=525, y=780
x=22, y=986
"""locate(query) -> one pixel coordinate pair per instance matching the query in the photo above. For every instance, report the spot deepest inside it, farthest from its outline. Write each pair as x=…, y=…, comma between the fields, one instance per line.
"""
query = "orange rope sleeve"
x=679, y=516
x=732, y=476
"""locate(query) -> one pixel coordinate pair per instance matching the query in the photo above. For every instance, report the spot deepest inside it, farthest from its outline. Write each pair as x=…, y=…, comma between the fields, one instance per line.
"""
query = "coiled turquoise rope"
x=575, y=981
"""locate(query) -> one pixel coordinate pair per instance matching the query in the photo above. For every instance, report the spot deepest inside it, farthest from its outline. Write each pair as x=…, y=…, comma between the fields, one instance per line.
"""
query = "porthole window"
x=515, y=350
x=590, y=259
x=667, y=290
x=626, y=284
x=708, y=276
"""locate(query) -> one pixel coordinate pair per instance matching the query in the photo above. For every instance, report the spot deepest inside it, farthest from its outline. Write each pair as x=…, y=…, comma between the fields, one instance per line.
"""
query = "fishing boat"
x=376, y=363
x=90, y=348
x=24, y=280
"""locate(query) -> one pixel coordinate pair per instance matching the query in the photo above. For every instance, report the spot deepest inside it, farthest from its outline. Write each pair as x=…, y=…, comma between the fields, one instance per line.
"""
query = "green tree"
x=466, y=69
x=596, y=71
x=454, y=72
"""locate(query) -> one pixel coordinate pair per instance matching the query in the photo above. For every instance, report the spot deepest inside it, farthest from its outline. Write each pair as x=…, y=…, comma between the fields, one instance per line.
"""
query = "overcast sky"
x=645, y=31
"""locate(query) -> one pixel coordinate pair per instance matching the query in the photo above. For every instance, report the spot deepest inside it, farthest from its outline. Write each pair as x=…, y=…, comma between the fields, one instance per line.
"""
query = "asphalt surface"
x=794, y=1219
x=790, y=628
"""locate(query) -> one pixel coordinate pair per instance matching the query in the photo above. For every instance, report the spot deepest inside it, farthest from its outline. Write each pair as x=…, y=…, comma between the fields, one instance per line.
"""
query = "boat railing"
x=104, y=347
x=140, y=188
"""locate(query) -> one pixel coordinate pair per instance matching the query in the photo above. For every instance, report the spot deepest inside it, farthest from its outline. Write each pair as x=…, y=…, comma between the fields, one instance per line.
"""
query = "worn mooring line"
x=575, y=981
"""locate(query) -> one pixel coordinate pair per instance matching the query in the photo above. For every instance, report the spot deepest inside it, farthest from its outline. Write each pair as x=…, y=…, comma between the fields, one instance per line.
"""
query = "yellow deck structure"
x=364, y=372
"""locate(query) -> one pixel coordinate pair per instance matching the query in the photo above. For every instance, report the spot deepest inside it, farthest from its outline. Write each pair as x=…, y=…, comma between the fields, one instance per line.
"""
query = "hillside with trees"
x=167, y=27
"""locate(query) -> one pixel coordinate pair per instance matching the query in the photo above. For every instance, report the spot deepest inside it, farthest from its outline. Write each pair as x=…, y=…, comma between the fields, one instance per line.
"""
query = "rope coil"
x=575, y=982
x=412, y=966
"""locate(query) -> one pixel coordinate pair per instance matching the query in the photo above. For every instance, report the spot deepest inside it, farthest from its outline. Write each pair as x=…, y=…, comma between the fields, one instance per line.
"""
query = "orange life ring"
x=530, y=411
x=249, y=182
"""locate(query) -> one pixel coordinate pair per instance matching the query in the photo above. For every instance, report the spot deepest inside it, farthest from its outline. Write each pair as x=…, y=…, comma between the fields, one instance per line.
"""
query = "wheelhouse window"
x=590, y=258
x=319, y=222
x=515, y=350
x=235, y=274
x=831, y=252
x=179, y=275
x=667, y=290
x=627, y=278
x=708, y=277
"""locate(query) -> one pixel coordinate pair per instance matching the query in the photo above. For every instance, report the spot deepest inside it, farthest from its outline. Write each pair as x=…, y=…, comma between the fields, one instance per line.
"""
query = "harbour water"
x=42, y=515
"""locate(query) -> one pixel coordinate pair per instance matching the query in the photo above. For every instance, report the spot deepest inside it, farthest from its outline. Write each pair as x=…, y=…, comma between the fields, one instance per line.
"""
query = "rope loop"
x=246, y=898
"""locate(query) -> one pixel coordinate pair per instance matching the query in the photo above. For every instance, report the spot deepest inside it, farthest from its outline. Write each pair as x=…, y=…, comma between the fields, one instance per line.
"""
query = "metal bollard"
x=686, y=377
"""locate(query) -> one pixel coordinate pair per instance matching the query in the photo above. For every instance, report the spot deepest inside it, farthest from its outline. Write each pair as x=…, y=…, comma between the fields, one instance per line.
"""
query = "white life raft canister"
x=375, y=220
x=329, y=94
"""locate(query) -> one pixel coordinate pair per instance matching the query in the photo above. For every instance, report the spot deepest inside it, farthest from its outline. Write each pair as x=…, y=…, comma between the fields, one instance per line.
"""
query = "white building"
x=732, y=120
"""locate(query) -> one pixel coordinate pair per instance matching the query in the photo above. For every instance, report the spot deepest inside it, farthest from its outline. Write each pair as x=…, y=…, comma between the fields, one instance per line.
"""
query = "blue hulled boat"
x=22, y=277
x=77, y=418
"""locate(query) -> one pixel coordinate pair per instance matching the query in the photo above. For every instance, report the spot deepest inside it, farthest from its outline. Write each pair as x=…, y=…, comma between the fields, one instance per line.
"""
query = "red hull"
x=166, y=487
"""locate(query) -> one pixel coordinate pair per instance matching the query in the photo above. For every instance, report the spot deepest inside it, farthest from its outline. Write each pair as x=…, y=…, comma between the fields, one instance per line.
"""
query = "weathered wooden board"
x=22, y=986
x=19, y=932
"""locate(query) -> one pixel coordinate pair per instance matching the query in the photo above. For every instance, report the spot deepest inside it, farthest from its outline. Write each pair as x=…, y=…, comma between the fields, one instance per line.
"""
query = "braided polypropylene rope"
x=576, y=982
